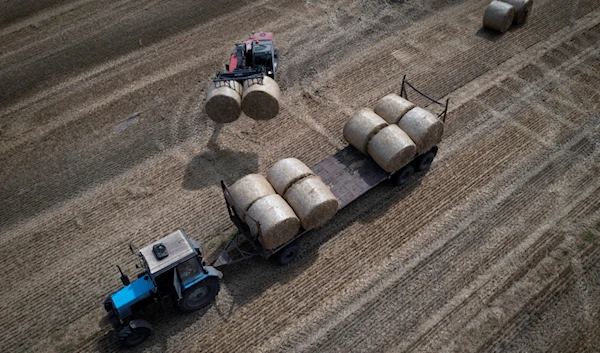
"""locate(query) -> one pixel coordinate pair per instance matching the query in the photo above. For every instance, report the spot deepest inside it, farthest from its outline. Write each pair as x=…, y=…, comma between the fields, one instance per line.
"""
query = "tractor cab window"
x=262, y=55
x=189, y=270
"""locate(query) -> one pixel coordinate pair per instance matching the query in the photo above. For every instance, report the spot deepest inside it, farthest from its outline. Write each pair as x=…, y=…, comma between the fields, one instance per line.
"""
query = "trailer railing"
x=404, y=95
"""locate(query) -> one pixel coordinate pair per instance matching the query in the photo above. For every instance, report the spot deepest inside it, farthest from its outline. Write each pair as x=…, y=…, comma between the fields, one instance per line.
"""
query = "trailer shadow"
x=249, y=279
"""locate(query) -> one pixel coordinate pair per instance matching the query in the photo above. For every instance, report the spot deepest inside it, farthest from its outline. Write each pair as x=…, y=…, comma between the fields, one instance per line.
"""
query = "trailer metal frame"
x=348, y=173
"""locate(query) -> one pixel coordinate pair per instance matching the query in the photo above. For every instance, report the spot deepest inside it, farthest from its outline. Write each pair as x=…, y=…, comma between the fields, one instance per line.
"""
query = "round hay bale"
x=392, y=148
x=392, y=107
x=362, y=127
x=278, y=222
x=498, y=16
x=423, y=128
x=248, y=190
x=522, y=10
x=224, y=101
x=261, y=101
x=312, y=201
x=286, y=172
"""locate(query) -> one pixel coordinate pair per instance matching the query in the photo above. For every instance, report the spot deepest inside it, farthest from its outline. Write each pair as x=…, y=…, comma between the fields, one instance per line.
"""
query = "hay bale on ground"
x=522, y=9
x=260, y=101
x=392, y=107
x=392, y=148
x=278, y=222
x=362, y=127
x=424, y=128
x=312, y=201
x=286, y=172
x=498, y=16
x=248, y=190
x=224, y=101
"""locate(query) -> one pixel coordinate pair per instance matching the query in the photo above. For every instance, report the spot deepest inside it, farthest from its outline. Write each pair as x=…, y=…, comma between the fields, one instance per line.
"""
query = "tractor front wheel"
x=131, y=337
x=200, y=295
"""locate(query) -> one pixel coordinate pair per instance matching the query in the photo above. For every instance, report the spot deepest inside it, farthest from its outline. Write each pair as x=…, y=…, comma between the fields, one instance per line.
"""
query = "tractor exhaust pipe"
x=124, y=278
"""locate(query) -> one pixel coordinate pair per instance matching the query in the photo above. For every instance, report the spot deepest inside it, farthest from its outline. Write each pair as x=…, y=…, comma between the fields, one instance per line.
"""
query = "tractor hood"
x=138, y=290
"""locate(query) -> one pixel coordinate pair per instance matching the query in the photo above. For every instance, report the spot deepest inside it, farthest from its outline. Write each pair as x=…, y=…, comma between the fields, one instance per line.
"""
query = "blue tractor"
x=174, y=274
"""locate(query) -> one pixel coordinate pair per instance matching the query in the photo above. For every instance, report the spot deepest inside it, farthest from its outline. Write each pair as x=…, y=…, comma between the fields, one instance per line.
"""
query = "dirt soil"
x=103, y=142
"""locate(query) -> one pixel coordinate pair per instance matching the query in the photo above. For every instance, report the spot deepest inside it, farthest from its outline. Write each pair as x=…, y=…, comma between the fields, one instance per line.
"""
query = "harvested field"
x=104, y=141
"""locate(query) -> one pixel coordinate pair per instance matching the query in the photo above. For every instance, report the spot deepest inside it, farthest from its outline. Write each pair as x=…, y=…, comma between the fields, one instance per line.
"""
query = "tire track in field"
x=454, y=318
x=508, y=212
x=152, y=24
x=532, y=315
x=461, y=168
x=401, y=227
x=481, y=55
x=46, y=34
x=360, y=306
x=266, y=328
x=131, y=74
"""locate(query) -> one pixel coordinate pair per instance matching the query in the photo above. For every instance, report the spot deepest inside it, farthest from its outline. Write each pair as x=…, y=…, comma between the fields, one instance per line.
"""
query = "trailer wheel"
x=424, y=161
x=200, y=294
x=287, y=254
x=131, y=337
x=404, y=174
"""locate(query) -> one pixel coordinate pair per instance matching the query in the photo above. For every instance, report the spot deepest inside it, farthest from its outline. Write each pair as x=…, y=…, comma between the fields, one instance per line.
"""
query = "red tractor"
x=248, y=82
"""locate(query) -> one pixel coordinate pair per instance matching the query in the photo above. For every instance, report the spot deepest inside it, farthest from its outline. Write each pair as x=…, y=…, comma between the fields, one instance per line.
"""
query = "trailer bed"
x=349, y=174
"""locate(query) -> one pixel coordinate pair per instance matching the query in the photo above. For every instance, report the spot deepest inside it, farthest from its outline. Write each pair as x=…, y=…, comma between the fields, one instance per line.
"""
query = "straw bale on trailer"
x=392, y=148
x=424, y=128
x=261, y=101
x=392, y=107
x=522, y=9
x=278, y=222
x=312, y=201
x=224, y=101
x=286, y=172
x=248, y=190
x=498, y=16
x=362, y=127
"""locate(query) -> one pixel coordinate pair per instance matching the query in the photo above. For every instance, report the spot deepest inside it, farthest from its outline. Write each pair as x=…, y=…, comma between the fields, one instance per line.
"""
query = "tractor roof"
x=263, y=36
x=179, y=249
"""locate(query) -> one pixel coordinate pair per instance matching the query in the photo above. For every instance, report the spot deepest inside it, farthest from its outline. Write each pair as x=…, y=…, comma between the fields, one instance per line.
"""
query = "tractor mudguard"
x=140, y=324
x=213, y=272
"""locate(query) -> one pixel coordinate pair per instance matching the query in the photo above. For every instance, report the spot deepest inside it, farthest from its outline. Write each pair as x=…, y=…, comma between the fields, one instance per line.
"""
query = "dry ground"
x=103, y=141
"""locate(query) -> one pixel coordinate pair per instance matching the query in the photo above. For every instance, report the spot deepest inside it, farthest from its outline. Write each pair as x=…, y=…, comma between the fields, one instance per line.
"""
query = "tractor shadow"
x=248, y=279
x=210, y=167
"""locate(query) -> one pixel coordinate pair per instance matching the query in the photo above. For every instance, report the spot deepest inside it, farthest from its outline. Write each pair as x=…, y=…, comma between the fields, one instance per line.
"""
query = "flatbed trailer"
x=348, y=173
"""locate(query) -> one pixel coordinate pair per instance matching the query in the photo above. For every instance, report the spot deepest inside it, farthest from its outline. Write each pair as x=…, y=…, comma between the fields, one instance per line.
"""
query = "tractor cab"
x=174, y=272
x=264, y=53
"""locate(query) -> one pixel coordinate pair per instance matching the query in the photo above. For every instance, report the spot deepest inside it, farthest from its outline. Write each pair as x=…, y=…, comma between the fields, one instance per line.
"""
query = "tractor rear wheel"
x=131, y=337
x=200, y=294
